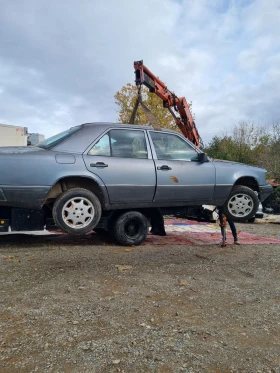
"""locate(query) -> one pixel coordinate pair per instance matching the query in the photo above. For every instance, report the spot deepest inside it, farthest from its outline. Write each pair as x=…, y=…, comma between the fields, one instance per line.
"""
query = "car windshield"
x=57, y=139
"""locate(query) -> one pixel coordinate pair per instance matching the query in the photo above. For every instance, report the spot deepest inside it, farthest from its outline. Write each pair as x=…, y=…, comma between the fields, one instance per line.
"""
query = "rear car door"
x=180, y=176
x=122, y=159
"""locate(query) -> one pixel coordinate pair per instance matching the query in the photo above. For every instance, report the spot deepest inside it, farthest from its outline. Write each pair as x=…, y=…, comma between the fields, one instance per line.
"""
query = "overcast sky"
x=61, y=62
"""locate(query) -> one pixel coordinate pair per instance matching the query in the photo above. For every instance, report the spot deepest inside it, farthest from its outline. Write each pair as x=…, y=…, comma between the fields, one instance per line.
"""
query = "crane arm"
x=143, y=76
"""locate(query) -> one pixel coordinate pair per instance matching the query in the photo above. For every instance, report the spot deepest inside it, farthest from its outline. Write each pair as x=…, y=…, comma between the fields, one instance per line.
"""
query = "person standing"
x=223, y=220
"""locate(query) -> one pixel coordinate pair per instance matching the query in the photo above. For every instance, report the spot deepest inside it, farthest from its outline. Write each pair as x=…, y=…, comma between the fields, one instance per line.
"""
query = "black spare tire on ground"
x=77, y=211
x=242, y=204
x=130, y=228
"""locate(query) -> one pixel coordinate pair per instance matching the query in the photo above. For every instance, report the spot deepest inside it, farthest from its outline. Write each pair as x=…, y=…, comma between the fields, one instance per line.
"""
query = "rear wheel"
x=130, y=228
x=242, y=204
x=77, y=211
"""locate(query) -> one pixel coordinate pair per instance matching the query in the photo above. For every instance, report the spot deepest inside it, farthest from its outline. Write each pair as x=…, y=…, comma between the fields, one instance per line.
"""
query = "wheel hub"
x=240, y=205
x=78, y=212
x=131, y=228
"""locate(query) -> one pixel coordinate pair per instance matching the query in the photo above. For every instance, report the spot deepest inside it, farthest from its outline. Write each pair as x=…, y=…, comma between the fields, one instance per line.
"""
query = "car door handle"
x=164, y=167
x=98, y=164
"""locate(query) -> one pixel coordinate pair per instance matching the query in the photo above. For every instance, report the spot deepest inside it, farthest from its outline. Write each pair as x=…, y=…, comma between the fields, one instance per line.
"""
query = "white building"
x=13, y=135
x=18, y=136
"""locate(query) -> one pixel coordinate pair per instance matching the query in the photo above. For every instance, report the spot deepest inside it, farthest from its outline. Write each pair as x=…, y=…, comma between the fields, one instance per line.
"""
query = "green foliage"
x=250, y=144
x=273, y=201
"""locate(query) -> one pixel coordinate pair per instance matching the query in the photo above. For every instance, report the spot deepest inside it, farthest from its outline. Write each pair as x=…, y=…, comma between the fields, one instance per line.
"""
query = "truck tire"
x=77, y=211
x=130, y=228
x=242, y=204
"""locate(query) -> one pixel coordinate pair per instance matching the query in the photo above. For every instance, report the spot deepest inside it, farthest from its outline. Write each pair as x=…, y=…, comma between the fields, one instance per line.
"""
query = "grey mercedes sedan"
x=96, y=170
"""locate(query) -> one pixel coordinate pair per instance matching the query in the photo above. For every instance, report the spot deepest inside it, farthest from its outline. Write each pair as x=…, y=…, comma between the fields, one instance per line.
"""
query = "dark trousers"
x=157, y=223
x=231, y=224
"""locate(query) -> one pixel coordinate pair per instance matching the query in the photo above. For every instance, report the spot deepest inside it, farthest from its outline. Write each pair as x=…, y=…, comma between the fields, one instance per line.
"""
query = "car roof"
x=80, y=140
x=111, y=124
x=124, y=125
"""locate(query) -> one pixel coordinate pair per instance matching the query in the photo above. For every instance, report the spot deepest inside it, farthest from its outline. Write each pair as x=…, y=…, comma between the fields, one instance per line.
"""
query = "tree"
x=126, y=98
x=246, y=143
x=271, y=153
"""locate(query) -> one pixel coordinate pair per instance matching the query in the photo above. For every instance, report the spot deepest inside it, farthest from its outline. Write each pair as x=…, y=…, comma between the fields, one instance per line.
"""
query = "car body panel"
x=228, y=173
x=28, y=174
x=32, y=196
x=185, y=181
x=131, y=181
x=126, y=179
x=34, y=172
x=265, y=191
x=37, y=166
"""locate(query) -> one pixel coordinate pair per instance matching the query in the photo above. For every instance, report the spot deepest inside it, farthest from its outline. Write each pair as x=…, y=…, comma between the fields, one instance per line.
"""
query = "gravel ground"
x=68, y=306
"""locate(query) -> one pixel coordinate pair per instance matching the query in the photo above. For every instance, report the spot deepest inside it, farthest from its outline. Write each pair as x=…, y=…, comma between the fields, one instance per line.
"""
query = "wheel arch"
x=248, y=181
x=69, y=182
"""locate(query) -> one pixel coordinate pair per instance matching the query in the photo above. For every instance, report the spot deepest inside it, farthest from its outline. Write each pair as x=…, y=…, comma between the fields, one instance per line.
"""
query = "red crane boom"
x=143, y=76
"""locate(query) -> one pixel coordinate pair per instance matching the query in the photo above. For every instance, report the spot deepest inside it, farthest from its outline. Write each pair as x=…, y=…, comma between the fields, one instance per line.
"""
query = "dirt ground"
x=67, y=306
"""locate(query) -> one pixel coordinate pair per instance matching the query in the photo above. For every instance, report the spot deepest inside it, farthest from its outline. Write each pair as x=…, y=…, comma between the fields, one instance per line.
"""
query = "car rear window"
x=57, y=139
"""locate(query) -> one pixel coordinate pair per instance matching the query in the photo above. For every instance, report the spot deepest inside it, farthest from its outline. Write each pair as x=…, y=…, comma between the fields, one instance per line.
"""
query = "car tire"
x=77, y=211
x=252, y=220
x=130, y=228
x=242, y=204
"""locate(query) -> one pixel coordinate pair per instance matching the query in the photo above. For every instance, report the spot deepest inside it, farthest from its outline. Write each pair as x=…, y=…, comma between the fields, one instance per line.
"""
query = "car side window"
x=121, y=143
x=128, y=144
x=172, y=147
x=102, y=147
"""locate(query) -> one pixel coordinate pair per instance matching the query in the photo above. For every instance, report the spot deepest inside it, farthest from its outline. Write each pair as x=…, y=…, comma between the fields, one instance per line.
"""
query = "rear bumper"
x=265, y=191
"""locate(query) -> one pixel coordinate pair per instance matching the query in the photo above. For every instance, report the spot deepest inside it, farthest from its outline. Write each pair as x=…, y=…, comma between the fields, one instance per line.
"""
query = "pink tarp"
x=187, y=232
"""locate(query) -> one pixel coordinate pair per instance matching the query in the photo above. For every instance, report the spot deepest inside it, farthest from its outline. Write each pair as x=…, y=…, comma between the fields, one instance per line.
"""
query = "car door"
x=123, y=160
x=180, y=176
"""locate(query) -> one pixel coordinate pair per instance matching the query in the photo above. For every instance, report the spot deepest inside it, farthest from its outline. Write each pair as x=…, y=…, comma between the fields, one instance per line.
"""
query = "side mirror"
x=202, y=157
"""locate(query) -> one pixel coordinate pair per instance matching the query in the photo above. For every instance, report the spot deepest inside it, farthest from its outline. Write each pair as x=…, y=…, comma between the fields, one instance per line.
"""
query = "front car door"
x=122, y=159
x=180, y=176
